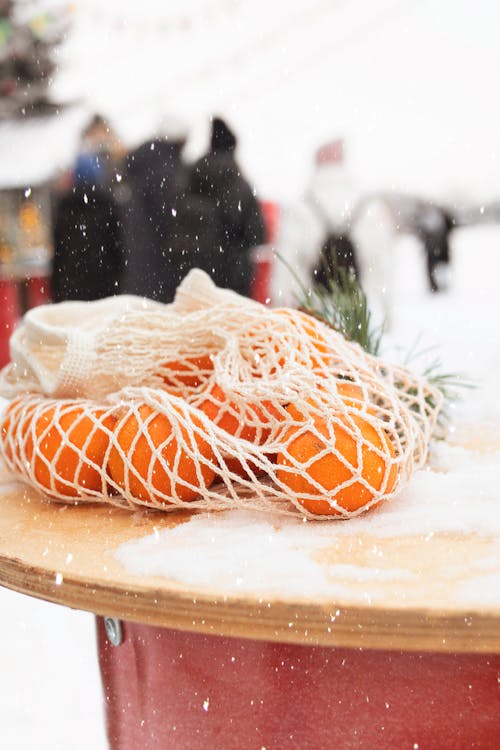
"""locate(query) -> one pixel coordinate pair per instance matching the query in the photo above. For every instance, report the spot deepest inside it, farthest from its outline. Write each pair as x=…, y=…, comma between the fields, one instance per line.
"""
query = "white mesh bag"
x=216, y=402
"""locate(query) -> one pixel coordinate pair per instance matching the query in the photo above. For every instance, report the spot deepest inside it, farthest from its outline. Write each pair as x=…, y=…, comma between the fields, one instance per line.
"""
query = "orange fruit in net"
x=285, y=334
x=314, y=328
x=17, y=411
x=65, y=446
x=189, y=373
x=146, y=438
x=353, y=396
x=350, y=393
x=313, y=407
x=249, y=421
x=314, y=341
x=297, y=464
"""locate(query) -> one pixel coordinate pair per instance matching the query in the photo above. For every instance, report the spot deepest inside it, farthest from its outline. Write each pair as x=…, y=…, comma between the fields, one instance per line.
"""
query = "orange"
x=315, y=335
x=287, y=333
x=144, y=435
x=63, y=445
x=314, y=328
x=253, y=421
x=14, y=414
x=249, y=421
x=350, y=393
x=190, y=372
x=329, y=471
x=353, y=397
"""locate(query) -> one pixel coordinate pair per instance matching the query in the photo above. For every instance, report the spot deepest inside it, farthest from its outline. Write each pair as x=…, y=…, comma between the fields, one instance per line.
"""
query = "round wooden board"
x=65, y=554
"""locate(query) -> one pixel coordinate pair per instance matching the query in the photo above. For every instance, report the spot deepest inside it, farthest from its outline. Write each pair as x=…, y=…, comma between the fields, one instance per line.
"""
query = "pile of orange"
x=330, y=463
x=65, y=450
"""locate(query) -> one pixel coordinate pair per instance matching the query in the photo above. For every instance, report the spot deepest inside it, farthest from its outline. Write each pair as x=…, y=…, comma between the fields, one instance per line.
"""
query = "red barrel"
x=172, y=689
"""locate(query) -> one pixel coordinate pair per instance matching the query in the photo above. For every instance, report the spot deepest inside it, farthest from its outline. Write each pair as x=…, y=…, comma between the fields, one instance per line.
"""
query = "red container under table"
x=187, y=691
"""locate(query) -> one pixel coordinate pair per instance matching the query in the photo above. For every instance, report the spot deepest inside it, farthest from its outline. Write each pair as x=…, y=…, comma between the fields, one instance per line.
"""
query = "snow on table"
x=454, y=504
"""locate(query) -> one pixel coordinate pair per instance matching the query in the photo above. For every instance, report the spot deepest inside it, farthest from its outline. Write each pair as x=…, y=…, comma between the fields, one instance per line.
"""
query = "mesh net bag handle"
x=55, y=347
x=91, y=349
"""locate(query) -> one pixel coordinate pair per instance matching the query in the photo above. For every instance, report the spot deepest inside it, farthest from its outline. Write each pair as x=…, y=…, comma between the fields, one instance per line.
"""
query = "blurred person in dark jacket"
x=168, y=230
x=99, y=137
x=433, y=226
x=217, y=176
x=88, y=248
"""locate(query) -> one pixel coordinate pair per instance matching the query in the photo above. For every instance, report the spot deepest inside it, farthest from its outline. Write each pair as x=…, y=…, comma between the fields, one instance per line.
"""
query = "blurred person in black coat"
x=217, y=176
x=88, y=248
x=433, y=226
x=168, y=231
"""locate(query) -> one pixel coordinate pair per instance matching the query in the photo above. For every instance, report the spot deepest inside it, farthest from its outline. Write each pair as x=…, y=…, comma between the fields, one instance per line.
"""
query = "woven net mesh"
x=214, y=401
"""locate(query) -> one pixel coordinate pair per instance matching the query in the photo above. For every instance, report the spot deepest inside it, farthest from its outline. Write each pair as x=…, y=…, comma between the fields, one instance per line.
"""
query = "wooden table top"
x=66, y=554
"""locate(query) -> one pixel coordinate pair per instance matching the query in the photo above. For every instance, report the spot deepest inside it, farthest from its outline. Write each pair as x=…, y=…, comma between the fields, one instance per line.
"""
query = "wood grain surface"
x=66, y=554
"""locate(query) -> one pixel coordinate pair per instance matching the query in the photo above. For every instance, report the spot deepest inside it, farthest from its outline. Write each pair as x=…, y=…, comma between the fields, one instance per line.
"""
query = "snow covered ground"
x=50, y=694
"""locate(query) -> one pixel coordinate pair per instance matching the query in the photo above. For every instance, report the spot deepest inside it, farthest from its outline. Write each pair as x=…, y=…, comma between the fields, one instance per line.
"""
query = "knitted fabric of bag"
x=208, y=403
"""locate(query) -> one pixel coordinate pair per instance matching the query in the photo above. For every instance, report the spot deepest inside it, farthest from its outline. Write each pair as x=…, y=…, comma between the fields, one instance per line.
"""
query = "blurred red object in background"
x=262, y=256
x=16, y=297
x=271, y=213
x=10, y=312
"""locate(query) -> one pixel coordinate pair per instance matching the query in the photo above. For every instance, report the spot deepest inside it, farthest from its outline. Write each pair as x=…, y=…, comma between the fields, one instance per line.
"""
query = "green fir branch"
x=343, y=306
x=449, y=384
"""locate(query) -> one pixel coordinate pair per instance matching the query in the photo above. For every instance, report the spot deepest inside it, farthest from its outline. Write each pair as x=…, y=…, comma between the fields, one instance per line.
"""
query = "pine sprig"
x=449, y=384
x=343, y=305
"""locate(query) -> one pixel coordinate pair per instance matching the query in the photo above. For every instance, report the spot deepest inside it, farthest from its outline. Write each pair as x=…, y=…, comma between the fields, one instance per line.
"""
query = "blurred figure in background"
x=375, y=236
x=168, y=230
x=433, y=226
x=99, y=137
x=156, y=178
x=333, y=220
x=88, y=245
x=217, y=176
x=321, y=219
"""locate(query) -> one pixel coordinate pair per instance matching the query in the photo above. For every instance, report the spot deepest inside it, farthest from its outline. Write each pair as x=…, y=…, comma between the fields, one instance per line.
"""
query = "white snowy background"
x=411, y=86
